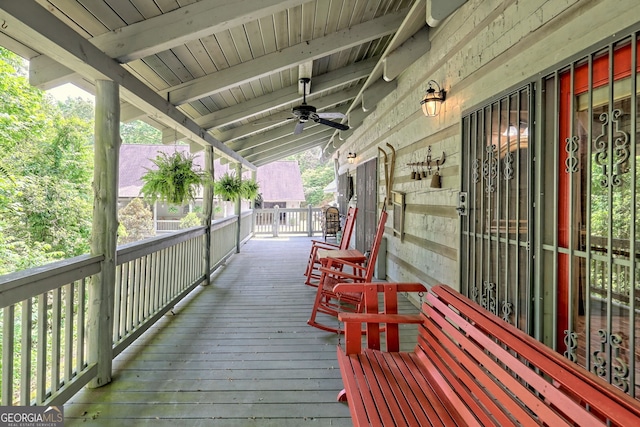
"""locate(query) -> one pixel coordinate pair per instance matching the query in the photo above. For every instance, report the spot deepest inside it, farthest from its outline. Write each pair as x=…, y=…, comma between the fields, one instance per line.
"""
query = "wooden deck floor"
x=236, y=353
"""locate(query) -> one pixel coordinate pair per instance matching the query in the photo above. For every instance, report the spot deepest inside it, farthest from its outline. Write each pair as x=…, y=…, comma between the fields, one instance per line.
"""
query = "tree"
x=316, y=175
x=136, y=222
x=137, y=132
x=45, y=192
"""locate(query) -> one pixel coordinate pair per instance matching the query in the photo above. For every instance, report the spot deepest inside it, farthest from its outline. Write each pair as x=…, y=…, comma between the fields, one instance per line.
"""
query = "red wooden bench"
x=469, y=367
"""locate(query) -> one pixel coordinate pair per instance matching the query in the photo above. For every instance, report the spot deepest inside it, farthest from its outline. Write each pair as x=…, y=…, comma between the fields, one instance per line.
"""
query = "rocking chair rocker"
x=329, y=302
x=312, y=272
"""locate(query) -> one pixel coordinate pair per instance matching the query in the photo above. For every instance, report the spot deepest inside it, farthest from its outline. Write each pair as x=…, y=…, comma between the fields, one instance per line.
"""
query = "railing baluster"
x=80, y=323
x=56, y=338
x=25, y=348
x=69, y=294
x=41, y=349
x=8, y=336
x=117, y=304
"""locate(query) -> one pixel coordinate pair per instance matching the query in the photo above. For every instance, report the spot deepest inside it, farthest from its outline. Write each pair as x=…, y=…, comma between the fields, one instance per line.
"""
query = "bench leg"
x=342, y=396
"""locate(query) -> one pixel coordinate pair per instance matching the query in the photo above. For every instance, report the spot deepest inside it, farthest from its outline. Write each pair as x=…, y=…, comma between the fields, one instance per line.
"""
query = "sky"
x=68, y=90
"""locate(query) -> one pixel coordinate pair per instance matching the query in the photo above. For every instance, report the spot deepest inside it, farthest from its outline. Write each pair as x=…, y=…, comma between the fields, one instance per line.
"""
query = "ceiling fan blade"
x=298, y=129
x=335, y=125
x=330, y=115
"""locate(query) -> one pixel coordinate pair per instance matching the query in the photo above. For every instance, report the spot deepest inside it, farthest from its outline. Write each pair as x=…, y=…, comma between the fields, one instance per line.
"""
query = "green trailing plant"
x=228, y=187
x=250, y=189
x=175, y=180
x=231, y=187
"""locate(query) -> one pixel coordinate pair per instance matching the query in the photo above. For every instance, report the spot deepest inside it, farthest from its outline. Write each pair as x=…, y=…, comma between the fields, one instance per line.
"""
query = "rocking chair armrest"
x=343, y=263
x=327, y=245
x=343, y=275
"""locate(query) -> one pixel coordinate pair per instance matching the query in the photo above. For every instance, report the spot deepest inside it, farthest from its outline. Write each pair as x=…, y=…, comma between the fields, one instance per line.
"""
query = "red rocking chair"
x=329, y=302
x=312, y=272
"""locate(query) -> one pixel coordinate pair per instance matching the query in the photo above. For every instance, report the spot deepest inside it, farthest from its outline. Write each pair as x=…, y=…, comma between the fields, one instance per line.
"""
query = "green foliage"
x=314, y=182
x=231, y=187
x=136, y=220
x=250, y=189
x=228, y=187
x=192, y=219
x=138, y=132
x=316, y=175
x=175, y=181
x=46, y=156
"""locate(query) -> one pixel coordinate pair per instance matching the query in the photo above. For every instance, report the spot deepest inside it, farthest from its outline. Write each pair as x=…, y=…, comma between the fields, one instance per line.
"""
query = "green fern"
x=228, y=186
x=174, y=181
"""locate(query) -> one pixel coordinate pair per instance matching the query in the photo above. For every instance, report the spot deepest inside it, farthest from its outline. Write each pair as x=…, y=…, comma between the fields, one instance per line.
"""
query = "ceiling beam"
x=408, y=53
x=412, y=23
x=375, y=93
x=36, y=27
x=281, y=134
x=284, y=59
x=163, y=32
x=439, y=10
x=286, y=96
x=283, y=151
x=277, y=145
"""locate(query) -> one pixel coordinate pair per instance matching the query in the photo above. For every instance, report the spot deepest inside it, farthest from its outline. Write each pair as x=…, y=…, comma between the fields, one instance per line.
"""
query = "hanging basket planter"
x=230, y=187
x=175, y=180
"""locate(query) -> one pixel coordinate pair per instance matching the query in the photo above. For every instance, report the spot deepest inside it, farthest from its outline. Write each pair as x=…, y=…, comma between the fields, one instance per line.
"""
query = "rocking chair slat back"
x=312, y=273
x=337, y=271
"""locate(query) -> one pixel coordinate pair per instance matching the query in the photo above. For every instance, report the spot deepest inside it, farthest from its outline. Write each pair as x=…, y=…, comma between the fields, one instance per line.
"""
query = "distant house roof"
x=279, y=181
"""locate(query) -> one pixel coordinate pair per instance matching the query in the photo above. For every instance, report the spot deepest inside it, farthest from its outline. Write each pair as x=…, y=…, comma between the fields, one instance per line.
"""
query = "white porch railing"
x=275, y=221
x=45, y=313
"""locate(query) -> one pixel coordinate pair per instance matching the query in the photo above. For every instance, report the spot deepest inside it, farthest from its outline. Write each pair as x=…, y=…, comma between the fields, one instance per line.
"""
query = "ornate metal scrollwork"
x=507, y=310
x=620, y=149
x=490, y=169
x=571, y=341
x=620, y=374
x=508, y=166
x=619, y=368
x=475, y=168
x=572, y=160
x=475, y=293
x=600, y=356
x=488, y=299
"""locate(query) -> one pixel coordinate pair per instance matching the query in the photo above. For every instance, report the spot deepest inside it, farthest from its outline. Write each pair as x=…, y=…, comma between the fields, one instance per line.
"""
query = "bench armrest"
x=353, y=329
x=365, y=318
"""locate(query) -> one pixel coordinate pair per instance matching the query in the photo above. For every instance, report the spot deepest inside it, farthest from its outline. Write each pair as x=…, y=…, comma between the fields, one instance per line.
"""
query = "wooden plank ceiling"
x=224, y=72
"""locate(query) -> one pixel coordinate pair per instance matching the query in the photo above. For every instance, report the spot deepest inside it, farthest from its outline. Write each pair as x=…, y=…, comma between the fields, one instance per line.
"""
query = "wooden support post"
x=105, y=228
x=254, y=176
x=207, y=214
x=238, y=209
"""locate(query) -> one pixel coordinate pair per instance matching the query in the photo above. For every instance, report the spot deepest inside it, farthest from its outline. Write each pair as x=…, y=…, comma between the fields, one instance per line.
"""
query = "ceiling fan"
x=305, y=112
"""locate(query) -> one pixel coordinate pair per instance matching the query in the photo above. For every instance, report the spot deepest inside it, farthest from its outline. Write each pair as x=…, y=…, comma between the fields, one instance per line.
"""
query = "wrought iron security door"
x=495, y=243
x=590, y=229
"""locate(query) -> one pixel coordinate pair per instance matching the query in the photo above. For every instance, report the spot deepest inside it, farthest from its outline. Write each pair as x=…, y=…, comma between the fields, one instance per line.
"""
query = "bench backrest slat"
x=481, y=356
x=524, y=377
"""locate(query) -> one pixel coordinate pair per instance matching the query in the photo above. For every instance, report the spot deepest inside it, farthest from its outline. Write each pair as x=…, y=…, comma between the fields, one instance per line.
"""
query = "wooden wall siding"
x=487, y=47
x=235, y=353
